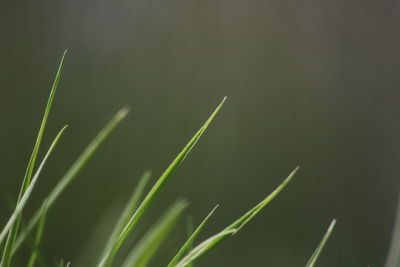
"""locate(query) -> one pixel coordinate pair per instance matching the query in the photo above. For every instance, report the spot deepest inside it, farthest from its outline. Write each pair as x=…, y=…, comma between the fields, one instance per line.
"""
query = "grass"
x=13, y=235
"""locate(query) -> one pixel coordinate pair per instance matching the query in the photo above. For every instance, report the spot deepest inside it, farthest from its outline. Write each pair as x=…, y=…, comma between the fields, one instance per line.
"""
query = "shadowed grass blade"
x=393, y=258
x=321, y=245
x=27, y=194
x=128, y=210
x=148, y=245
x=38, y=238
x=190, y=240
x=73, y=171
x=7, y=255
x=108, y=259
x=211, y=242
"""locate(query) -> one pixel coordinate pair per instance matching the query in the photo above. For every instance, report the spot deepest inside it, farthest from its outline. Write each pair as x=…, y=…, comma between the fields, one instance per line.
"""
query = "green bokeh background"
x=309, y=83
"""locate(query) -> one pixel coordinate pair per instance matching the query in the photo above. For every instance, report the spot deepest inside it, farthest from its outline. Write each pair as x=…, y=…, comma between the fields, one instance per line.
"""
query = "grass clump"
x=12, y=236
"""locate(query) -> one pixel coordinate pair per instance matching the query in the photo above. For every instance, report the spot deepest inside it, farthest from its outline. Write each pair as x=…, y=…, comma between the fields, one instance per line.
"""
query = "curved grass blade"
x=73, y=171
x=109, y=257
x=128, y=210
x=232, y=229
x=38, y=238
x=321, y=245
x=148, y=245
x=190, y=240
x=7, y=255
x=27, y=194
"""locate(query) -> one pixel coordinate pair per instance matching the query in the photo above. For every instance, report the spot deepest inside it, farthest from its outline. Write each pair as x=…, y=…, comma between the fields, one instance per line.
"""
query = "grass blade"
x=27, y=194
x=7, y=255
x=73, y=171
x=145, y=249
x=317, y=252
x=190, y=240
x=108, y=259
x=128, y=210
x=211, y=242
x=38, y=238
x=393, y=258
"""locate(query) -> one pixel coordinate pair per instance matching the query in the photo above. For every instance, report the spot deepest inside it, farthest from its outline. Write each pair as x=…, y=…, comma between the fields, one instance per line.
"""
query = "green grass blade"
x=190, y=240
x=148, y=245
x=128, y=210
x=27, y=194
x=321, y=245
x=211, y=242
x=108, y=259
x=31, y=164
x=38, y=238
x=190, y=231
x=73, y=171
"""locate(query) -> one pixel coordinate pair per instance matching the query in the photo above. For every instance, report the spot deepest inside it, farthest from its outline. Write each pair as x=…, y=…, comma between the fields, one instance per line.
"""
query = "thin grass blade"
x=7, y=255
x=148, y=245
x=38, y=238
x=321, y=245
x=108, y=259
x=232, y=229
x=27, y=194
x=128, y=210
x=73, y=171
x=190, y=240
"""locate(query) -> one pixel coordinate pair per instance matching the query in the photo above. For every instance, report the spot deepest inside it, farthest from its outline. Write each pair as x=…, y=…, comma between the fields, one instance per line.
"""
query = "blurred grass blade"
x=38, y=238
x=393, y=258
x=63, y=264
x=27, y=194
x=190, y=240
x=190, y=231
x=148, y=245
x=211, y=242
x=73, y=171
x=6, y=259
x=128, y=210
x=317, y=252
x=108, y=258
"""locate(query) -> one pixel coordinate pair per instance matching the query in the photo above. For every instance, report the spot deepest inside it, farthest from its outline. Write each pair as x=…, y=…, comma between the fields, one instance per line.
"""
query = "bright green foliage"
x=145, y=250
x=232, y=229
x=110, y=255
x=190, y=240
x=148, y=245
x=311, y=262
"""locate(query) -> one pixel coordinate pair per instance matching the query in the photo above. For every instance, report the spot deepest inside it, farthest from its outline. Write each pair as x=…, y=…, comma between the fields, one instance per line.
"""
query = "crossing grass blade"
x=128, y=210
x=321, y=245
x=38, y=238
x=148, y=245
x=190, y=240
x=232, y=229
x=109, y=257
x=7, y=253
x=72, y=172
x=21, y=204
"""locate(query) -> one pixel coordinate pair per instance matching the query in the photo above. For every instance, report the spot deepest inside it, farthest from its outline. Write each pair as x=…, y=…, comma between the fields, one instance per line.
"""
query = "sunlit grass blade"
x=73, y=171
x=311, y=262
x=6, y=258
x=148, y=245
x=128, y=210
x=108, y=258
x=211, y=242
x=21, y=204
x=190, y=240
x=38, y=238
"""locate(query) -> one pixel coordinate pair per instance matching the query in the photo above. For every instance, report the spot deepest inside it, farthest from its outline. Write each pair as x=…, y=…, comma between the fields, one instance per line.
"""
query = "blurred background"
x=309, y=83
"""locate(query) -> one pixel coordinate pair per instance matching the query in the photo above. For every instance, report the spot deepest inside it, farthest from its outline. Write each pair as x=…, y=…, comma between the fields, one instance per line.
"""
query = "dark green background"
x=311, y=83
